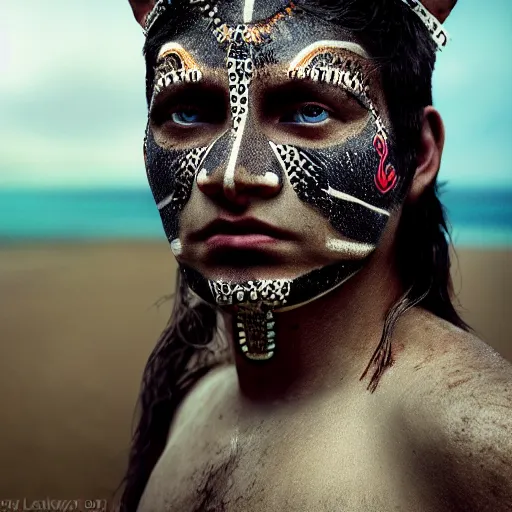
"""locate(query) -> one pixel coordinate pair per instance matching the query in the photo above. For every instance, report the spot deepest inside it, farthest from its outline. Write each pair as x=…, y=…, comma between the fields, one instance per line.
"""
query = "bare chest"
x=298, y=465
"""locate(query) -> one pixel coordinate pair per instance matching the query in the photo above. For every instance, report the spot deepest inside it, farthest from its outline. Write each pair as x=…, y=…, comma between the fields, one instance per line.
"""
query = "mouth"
x=245, y=234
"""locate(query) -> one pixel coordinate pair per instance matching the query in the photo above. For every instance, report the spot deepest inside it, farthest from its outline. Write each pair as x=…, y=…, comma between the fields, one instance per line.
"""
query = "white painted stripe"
x=229, y=175
x=270, y=179
x=279, y=159
x=344, y=45
x=169, y=47
x=202, y=177
x=295, y=306
x=248, y=10
x=346, y=197
x=165, y=202
x=176, y=247
x=347, y=247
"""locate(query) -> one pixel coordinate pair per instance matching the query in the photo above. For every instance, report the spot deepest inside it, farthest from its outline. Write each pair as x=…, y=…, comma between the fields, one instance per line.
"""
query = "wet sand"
x=77, y=323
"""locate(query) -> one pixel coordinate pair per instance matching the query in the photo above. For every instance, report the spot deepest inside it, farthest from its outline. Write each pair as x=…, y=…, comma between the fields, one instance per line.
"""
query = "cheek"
x=355, y=209
x=171, y=175
x=353, y=185
x=362, y=187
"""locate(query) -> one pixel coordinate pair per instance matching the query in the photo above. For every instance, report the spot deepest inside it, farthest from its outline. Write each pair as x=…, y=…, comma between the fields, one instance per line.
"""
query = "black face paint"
x=353, y=183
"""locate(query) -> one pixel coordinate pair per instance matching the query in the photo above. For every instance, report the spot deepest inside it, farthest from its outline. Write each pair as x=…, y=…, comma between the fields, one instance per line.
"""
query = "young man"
x=314, y=360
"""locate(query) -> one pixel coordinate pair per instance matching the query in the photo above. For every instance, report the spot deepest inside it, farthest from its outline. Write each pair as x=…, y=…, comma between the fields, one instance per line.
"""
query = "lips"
x=240, y=234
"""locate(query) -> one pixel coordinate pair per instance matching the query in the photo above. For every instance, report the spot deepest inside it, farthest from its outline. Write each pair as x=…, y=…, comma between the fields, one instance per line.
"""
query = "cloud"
x=72, y=94
x=73, y=105
x=471, y=81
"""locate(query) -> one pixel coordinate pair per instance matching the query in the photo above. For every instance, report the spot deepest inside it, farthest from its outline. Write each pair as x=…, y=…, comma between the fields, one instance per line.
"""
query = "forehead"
x=277, y=32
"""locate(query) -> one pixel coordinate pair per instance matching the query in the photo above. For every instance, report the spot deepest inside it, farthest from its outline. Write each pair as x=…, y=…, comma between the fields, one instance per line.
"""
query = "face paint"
x=175, y=65
x=352, y=182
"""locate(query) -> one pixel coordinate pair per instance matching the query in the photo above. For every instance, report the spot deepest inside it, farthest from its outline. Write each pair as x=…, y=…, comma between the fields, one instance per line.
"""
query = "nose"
x=240, y=168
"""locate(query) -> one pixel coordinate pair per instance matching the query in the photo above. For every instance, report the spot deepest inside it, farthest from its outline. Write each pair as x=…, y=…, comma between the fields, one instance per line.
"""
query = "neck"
x=325, y=345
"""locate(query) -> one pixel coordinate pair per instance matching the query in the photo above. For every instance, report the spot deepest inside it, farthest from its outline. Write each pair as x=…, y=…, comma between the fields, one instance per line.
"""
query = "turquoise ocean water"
x=478, y=217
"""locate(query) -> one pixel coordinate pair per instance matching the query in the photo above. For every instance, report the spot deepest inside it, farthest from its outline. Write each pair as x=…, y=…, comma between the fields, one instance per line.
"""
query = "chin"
x=267, y=287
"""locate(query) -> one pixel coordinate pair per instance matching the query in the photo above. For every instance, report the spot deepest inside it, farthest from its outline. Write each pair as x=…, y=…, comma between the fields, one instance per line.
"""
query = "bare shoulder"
x=458, y=414
x=451, y=357
x=197, y=407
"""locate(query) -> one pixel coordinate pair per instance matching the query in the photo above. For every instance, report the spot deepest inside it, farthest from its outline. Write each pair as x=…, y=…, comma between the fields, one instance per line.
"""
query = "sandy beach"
x=77, y=323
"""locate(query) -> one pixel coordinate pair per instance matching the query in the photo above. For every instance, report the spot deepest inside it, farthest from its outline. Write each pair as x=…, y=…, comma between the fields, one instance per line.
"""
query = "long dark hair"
x=190, y=346
x=184, y=353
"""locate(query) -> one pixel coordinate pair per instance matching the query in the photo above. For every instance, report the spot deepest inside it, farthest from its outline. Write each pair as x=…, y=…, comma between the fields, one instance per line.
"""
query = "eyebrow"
x=183, y=68
x=178, y=50
x=314, y=48
x=338, y=75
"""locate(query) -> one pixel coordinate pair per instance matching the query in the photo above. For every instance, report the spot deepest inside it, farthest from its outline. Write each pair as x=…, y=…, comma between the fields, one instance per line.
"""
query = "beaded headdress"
x=435, y=28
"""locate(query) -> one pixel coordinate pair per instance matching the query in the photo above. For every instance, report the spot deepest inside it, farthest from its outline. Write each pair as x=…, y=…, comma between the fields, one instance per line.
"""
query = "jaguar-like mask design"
x=349, y=180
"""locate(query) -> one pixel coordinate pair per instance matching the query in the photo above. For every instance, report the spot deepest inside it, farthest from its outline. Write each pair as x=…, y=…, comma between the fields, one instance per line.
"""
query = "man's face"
x=268, y=151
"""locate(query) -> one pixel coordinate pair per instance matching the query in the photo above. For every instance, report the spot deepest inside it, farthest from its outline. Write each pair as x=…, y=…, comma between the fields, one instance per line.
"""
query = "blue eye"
x=186, y=117
x=310, y=114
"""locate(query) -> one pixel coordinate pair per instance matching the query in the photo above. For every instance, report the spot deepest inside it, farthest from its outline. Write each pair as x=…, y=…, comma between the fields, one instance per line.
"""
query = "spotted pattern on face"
x=240, y=68
x=305, y=176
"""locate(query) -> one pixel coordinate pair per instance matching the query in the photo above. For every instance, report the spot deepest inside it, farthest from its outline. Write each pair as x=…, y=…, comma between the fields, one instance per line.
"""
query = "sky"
x=73, y=112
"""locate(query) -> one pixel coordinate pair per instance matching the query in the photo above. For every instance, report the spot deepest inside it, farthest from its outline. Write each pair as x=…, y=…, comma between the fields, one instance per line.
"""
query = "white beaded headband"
x=435, y=28
x=157, y=10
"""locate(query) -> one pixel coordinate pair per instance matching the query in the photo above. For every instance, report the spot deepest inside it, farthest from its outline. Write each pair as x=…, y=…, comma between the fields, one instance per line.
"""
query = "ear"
x=141, y=9
x=429, y=154
x=441, y=9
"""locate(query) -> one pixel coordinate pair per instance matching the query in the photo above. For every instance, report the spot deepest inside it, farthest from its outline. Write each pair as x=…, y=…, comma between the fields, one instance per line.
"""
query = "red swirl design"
x=386, y=177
